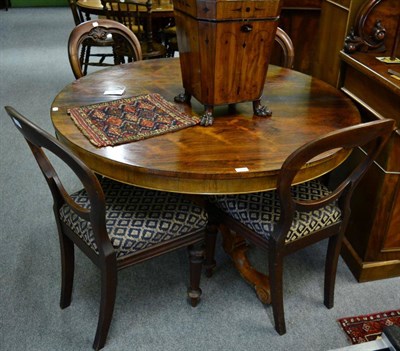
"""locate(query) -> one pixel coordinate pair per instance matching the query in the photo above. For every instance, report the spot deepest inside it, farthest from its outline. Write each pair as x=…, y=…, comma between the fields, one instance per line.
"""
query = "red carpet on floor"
x=368, y=327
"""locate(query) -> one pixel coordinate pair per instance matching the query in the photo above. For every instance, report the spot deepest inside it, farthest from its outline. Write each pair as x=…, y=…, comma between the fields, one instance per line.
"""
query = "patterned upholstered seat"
x=260, y=211
x=136, y=218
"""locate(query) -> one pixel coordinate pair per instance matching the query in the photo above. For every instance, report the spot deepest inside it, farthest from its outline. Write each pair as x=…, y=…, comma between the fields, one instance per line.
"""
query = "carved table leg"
x=207, y=118
x=261, y=110
x=235, y=246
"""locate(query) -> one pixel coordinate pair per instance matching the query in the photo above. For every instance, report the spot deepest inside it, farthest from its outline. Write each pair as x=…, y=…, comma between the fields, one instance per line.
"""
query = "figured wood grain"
x=203, y=160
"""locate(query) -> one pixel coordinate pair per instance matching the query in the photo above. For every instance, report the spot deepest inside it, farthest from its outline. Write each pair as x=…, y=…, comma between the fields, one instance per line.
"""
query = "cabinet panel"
x=336, y=20
x=302, y=25
x=392, y=240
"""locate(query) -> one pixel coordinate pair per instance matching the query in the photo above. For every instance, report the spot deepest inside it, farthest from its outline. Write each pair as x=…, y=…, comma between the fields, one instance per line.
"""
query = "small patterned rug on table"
x=129, y=119
x=368, y=327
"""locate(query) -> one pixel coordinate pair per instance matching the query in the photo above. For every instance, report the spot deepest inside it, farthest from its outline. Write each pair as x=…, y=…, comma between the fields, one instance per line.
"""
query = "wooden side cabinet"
x=372, y=244
x=337, y=17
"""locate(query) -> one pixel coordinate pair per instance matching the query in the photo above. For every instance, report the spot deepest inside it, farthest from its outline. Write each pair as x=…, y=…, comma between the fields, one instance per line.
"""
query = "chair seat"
x=260, y=211
x=137, y=218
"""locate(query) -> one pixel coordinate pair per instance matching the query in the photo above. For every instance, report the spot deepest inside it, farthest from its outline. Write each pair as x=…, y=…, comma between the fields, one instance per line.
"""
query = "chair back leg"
x=196, y=258
x=332, y=257
x=275, y=266
x=210, y=242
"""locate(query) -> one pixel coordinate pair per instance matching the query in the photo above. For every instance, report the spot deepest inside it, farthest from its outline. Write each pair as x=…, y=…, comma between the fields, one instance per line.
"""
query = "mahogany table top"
x=239, y=153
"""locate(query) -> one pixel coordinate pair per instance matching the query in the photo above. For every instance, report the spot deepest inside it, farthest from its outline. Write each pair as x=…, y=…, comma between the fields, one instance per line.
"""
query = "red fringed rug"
x=368, y=327
x=129, y=119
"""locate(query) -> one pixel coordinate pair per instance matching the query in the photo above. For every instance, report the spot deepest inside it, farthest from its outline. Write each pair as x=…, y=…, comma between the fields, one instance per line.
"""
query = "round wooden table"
x=239, y=153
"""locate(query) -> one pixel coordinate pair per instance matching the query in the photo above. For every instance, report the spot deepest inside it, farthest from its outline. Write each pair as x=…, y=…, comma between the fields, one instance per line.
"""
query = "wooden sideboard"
x=372, y=244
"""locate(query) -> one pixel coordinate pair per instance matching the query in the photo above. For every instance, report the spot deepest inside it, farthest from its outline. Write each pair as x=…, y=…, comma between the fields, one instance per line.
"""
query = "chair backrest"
x=39, y=141
x=125, y=43
x=286, y=44
x=76, y=13
x=371, y=135
x=136, y=15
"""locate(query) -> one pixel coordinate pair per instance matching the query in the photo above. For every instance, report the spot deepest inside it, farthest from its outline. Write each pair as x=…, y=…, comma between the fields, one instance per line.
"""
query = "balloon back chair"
x=125, y=45
x=295, y=216
x=93, y=52
x=114, y=224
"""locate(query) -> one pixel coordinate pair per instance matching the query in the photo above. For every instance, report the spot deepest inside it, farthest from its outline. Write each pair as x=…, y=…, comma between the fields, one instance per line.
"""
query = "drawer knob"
x=246, y=28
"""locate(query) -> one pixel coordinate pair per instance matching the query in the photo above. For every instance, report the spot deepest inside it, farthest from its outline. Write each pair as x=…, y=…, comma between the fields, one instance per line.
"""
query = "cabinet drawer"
x=374, y=97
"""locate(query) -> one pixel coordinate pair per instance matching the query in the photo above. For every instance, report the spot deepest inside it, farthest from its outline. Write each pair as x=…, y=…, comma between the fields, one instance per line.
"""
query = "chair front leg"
x=67, y=269
x=276, y=283
x=196, y=258
x=332, y=257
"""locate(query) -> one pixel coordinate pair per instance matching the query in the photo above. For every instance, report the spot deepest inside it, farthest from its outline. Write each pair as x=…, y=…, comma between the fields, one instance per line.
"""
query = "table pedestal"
x=236, y=247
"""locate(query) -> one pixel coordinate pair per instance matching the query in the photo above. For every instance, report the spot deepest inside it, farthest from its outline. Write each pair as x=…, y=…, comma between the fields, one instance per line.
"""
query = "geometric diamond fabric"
x=260, y=211
x=137, y=218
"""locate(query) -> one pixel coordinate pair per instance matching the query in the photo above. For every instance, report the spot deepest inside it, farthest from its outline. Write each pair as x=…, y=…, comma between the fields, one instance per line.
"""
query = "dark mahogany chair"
x=137, y=16
x=126, y=47
x=298, y=215
x=114, y=224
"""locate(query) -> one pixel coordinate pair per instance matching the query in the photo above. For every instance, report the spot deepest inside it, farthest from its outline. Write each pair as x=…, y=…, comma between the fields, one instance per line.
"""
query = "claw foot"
x=182, y=97
x=207, y=119
x=261, y=110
